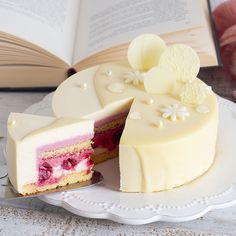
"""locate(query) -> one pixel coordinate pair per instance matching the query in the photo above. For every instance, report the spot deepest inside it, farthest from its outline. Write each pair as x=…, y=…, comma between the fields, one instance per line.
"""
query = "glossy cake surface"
x=170, y=131
x=152, y=158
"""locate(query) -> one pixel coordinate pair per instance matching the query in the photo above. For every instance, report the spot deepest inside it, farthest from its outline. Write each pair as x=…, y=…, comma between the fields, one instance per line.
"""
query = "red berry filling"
x=90, y=164
x=64, y=162
x=86, y=154
x=69, y=163
x=45, y=171
x=109, y=139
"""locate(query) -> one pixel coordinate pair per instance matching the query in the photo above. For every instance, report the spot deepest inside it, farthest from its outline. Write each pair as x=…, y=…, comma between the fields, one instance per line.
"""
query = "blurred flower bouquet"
x=225, y=21
x=224, y=16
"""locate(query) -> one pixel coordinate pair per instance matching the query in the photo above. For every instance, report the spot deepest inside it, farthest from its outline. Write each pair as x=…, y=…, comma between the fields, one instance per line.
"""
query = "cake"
x=44, y=153
x=153, y=108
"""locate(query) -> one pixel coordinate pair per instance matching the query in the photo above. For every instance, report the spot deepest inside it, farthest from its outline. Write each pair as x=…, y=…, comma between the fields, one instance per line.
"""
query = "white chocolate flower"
x=134, y=77
x=174, y=112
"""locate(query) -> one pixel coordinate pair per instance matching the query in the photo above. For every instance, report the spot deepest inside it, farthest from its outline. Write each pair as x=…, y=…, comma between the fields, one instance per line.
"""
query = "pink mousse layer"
x=63, y=143
x=110, y=138
x=64, y=164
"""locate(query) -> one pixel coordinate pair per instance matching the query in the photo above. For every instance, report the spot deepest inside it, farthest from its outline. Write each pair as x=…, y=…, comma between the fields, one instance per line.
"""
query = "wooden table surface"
x=33, y=217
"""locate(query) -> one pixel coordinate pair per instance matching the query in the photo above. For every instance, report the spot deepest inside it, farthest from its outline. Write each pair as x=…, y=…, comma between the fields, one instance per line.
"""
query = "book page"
x=106, y=23
x=50, y=24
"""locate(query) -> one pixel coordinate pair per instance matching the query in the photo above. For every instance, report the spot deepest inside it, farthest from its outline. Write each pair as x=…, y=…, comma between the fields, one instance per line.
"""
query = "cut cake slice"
x=44, y=153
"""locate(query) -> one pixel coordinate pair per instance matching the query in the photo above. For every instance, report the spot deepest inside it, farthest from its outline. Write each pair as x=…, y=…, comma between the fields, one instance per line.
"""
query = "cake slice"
x=44, y=153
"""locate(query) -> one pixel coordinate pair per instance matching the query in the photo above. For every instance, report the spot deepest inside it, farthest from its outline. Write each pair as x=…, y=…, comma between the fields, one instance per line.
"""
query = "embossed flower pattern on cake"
x=174, y=112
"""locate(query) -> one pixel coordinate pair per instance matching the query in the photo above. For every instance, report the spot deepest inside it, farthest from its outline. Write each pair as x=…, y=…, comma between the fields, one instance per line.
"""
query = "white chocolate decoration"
x=133, y=77
x=149, y=156
x=144, y=51
x=150, y=101
x=159, y=80
x=83, y=85
x=202, y=109
x=159, y=123
x=183, y=60
x=134, y=115
x=174, y=112
x=193, y=93
x=109, y=72
x=116, y=87
x=11, y=122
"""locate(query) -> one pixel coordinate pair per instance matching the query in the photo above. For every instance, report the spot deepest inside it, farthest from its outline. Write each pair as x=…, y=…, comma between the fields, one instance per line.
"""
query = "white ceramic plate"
x=214, y=190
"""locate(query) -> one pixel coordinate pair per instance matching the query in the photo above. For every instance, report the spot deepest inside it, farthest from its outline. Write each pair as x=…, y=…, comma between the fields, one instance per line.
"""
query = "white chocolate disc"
x=183, y=60
x=193, y=93
x=159, y=80
x=144, y=51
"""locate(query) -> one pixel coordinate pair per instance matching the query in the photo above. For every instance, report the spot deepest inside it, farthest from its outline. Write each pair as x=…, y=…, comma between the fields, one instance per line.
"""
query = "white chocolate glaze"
x=151, y=158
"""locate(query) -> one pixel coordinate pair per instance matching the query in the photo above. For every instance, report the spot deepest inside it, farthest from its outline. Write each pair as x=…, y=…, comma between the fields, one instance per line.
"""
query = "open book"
x=41, y=40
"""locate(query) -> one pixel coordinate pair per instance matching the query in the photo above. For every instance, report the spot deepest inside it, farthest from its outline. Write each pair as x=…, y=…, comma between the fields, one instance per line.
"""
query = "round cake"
x=156, y=112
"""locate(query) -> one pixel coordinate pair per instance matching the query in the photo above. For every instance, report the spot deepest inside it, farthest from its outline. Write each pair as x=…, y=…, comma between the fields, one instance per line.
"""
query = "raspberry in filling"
x=69, y=163
x=45, y=172
x=52, y=169
x=90, y=164
x=109, y=139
